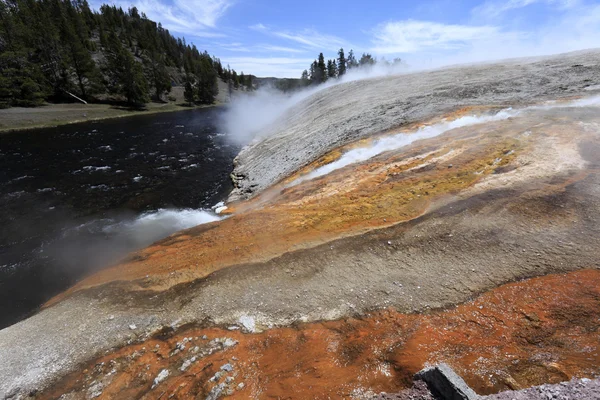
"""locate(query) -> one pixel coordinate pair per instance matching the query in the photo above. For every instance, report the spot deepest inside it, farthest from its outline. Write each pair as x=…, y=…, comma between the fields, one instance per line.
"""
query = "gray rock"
x=446, y=384
x=215, y=393
x=227, y=367
x=162, y=375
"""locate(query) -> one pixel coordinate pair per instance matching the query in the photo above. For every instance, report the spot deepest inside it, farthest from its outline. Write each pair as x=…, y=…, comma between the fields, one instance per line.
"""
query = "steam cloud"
x=248, y=115
x=156, y=225
x=101, y=242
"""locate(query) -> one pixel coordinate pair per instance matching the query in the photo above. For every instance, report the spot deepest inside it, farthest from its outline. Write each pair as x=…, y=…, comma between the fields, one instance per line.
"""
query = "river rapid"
x=79, y=197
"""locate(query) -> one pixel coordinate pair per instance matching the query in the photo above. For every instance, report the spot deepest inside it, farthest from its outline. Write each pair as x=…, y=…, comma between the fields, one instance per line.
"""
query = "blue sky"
x=281, y=38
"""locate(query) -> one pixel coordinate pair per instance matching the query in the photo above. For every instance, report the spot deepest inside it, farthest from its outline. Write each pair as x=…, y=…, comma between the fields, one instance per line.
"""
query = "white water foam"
x=398, y=141
x=155, y=225
x=585, y=102
x=403, y=139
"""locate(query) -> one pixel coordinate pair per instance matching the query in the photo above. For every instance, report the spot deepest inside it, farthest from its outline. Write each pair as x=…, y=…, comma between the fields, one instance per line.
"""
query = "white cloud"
x=415, y=36
x=283, y=49
x=236, y=47
x=494, y=8
x=429, y=44
x=195, y=17
x=307, y=41
x=258, y=27
x=280, y=67
x=206, y=12
x=312, y=39
x=306, y=38
x=259, y=48
x=272, y=60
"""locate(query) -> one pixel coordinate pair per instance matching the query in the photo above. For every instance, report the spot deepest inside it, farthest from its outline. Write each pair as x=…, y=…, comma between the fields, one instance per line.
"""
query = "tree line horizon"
x=320, y=72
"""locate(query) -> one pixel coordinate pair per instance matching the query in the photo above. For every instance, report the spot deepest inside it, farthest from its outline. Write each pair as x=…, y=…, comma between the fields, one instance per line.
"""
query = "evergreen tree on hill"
x=366, y=60
x=332, y=69
x=207, y=77
x=341, y=63
x=125, y=74
x=218, y=67
x=314, y=73
x=304, y=78
x=351, y=60
x=322, y=69
x=188, y=92
x=235, y=79
x=50, y=49
x=157, y=70
x=79, y=60
x=22, y=82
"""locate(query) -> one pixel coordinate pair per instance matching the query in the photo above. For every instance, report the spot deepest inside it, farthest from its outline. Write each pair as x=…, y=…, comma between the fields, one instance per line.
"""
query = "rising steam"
x=156, y=225
x=248, y=115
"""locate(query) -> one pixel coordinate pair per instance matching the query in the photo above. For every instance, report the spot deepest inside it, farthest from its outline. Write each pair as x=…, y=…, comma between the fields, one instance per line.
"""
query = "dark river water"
x=76, y=198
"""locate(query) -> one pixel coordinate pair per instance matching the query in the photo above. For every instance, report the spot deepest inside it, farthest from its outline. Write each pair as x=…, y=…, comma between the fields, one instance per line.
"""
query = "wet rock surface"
x=518, y=335
x=358, y=109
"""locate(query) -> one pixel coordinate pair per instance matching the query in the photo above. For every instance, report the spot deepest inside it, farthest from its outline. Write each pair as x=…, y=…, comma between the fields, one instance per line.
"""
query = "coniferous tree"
x=87, y=15
x=157, y=72
x=304, y=78
x=322, y=68
x=315, y=73
x=207, y=80
x=22, y=81
x=48, y=44
x=235, y=79
x=126, y=76
x=74, y=36
x=50, y=48
x=341, y=63
x=351, y=60
x=366, y=60
x=218, y=67
x=188, y=92
x=332, y=69
x=135, y=86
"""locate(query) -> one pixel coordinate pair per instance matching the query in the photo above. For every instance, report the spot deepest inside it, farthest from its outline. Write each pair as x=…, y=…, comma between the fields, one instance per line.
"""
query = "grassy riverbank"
x=19, y=118
x=49, y=115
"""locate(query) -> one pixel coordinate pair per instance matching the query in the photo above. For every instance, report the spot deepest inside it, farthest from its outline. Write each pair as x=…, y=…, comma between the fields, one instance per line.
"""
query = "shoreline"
x=53, y=115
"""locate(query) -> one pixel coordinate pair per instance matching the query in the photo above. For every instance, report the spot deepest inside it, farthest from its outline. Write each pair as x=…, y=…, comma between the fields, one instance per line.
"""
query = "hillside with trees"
x=61, y=50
